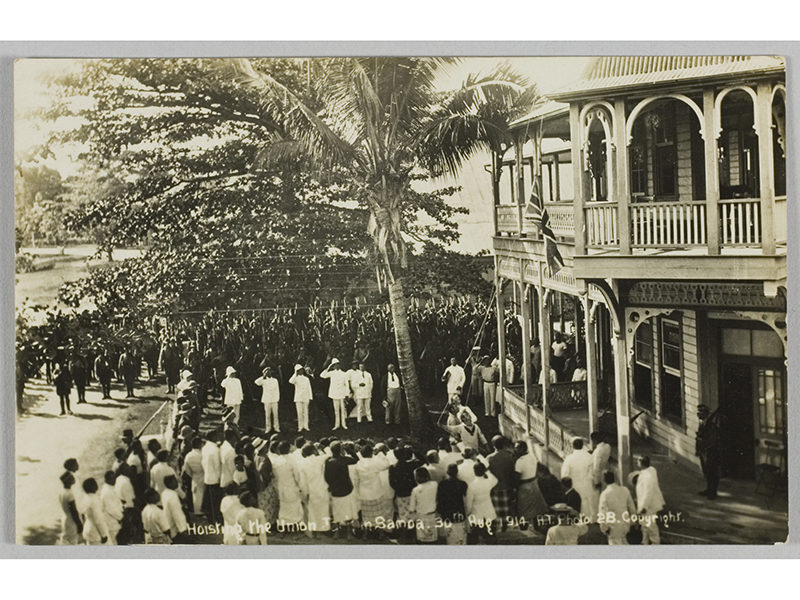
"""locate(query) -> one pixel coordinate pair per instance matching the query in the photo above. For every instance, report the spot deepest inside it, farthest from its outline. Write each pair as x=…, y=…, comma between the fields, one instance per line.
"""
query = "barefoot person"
x=71, y=524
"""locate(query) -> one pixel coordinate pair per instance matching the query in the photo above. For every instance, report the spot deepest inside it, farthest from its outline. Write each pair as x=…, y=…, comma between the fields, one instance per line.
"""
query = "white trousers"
x=302, y=415
x=271, y=416
x=198, y=493
x=339, y=413
x=363, y=409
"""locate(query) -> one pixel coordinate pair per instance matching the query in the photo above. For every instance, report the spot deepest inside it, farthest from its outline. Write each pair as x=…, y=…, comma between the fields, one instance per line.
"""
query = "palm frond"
x=448, y=140
x=299, y=121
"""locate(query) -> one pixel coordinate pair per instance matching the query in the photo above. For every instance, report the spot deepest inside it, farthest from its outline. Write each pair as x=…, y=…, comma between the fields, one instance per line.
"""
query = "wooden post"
x=712, y=173
x=526, y=348
x=622, y=177
x=544, y=338
x=501, y=342
x=556, y=178
x=520, y=187
x=495, y=192
x=765, y=167
x=591, y=366
x=577, y=178
x=623, y=406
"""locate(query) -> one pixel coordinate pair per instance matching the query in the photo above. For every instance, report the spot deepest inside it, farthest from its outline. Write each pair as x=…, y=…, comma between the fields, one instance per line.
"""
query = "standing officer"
x=708, y=449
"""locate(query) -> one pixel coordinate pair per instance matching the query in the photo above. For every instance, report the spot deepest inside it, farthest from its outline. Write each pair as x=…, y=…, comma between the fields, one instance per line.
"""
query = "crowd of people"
x=238, y=488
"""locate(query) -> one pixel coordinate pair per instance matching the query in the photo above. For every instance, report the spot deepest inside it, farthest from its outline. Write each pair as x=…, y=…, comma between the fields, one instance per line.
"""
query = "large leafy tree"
x=174, y=159
x=378, y=123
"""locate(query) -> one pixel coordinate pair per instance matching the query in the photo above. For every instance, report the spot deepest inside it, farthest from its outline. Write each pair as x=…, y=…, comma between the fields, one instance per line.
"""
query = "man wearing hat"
x=233, y=391
x=707, y=447
x=302, y=396
x=339, y=390
x=270, y=398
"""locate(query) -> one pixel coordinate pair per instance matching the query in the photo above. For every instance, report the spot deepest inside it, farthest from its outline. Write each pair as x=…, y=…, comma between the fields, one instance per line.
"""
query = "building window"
x=643, y=366
x=671, y=369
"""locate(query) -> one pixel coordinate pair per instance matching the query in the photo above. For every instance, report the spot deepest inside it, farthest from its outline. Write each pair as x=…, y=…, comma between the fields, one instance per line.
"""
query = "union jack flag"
x=536, y=211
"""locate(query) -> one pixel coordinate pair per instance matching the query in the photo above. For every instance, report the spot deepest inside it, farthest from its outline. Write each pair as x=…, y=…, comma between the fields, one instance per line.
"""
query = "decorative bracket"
x=777, y=321
x=633, y=318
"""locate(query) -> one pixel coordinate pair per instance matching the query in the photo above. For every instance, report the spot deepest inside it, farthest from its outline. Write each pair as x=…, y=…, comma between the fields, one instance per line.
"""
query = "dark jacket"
x=385, y=384
x=337, y=475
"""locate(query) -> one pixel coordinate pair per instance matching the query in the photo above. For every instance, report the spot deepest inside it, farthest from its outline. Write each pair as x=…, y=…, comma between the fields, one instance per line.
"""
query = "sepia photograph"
x=401, y=301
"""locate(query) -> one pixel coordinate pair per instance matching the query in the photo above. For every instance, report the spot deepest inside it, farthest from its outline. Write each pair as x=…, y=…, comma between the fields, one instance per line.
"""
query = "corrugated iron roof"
x=610, y=72
x=548, y=109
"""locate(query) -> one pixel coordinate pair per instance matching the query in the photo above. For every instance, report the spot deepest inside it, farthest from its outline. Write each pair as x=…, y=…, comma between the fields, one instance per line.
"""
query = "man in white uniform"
x=339, y=390
x=302, y=396
x=615, y=501
x=578, y=467
x=649, y=500
x=212, y=471
x=455, y=377
x=361, y=384
x=270, y=398
x=233, y=391
x=600, y=454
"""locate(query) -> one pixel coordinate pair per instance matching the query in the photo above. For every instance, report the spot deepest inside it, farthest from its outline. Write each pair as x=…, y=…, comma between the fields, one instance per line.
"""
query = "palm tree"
x=380, y=123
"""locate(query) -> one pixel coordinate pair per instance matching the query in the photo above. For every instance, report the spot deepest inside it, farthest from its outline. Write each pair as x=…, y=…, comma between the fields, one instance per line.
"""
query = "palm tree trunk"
x=422, y=431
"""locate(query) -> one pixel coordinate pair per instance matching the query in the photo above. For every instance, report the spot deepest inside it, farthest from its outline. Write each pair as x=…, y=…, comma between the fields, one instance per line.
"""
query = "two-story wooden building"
x=665, y=182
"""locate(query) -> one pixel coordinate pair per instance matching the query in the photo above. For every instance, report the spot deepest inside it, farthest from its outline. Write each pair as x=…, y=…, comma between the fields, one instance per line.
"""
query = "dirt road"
x=44, y=440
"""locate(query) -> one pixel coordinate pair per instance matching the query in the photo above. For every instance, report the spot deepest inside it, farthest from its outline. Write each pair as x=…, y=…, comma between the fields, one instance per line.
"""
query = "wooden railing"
x=570, y=395
x=560, y=437
x=507, y=218
x=668, y=224
x=780, y=216
x=538, y=422
x=740, y=222
x=562, y=218
x=514, y=408
x=601, y=224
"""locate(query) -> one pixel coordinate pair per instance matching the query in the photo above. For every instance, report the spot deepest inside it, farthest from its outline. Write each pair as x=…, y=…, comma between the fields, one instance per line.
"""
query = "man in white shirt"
x=649, y=500
x=455, y=377
x=361, y=384
x=193, y=467
x=112, y=507
x=339, y=390
x=392, y=395
x=212, y=471
x=466, y=469
x=172, y=508
x=270, y=398
x=369, y=486
x=160, y=471
x=509, y=368
x=302, y=396
x=95, y=530
x=578, y=467
x=227, y=458
x=600, y=454
x=233, y=391
x=615, y=501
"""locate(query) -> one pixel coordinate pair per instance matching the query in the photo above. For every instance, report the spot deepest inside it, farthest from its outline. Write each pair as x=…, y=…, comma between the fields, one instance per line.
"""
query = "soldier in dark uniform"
x=708, y=449
x=104, y=371
x=129, y=368
x=80, y=375
x=172, y=363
